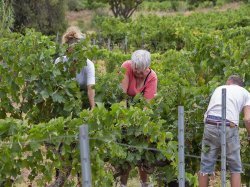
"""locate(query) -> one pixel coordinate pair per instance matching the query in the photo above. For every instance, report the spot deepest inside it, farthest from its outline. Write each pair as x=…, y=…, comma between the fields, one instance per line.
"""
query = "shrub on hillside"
x=75, y=5
x=46, y=16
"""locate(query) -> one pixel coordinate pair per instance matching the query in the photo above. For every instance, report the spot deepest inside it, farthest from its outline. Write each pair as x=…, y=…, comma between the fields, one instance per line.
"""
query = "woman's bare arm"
x=91, y=96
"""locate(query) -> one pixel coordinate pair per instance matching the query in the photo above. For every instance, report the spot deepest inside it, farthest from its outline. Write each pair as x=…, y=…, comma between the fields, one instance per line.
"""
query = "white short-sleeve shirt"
x=87, y=74
x=237, y=97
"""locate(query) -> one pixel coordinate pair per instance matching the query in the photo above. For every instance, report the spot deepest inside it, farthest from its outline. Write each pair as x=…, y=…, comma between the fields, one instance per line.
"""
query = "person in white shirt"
x=237, y=100
x=86, y=77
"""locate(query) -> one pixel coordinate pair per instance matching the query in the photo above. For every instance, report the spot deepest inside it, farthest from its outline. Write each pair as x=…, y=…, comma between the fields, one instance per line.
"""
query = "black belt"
x=219, y=123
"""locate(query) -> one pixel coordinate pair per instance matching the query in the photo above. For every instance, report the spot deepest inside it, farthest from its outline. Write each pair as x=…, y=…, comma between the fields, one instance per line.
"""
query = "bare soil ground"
x=85, y=15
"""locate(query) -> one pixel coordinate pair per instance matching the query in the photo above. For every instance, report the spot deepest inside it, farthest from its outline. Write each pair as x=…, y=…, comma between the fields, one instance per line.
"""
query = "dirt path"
x=74, y=17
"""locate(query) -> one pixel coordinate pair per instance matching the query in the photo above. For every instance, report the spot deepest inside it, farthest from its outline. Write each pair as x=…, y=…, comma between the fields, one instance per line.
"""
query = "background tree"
x=123, y=8
x=46, y=16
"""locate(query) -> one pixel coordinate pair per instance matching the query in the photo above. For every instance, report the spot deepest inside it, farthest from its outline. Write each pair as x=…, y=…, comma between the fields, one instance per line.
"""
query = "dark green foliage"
x=46, y=16
x=195, y=3
x=75, y=5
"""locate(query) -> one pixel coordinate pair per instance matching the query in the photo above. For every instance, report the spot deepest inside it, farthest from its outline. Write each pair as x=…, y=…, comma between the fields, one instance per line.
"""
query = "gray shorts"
x=211, y=148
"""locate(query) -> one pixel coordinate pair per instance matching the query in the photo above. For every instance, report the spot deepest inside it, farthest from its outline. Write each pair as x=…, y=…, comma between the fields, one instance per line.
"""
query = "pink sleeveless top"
x=149, y=88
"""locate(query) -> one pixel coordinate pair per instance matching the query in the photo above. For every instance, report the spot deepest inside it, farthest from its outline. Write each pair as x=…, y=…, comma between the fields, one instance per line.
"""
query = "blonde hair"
x=72, y=35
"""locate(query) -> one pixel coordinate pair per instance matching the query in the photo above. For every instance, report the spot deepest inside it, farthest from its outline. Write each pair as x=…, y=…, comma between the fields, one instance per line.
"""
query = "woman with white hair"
x=86, y=77
x=139, y=79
